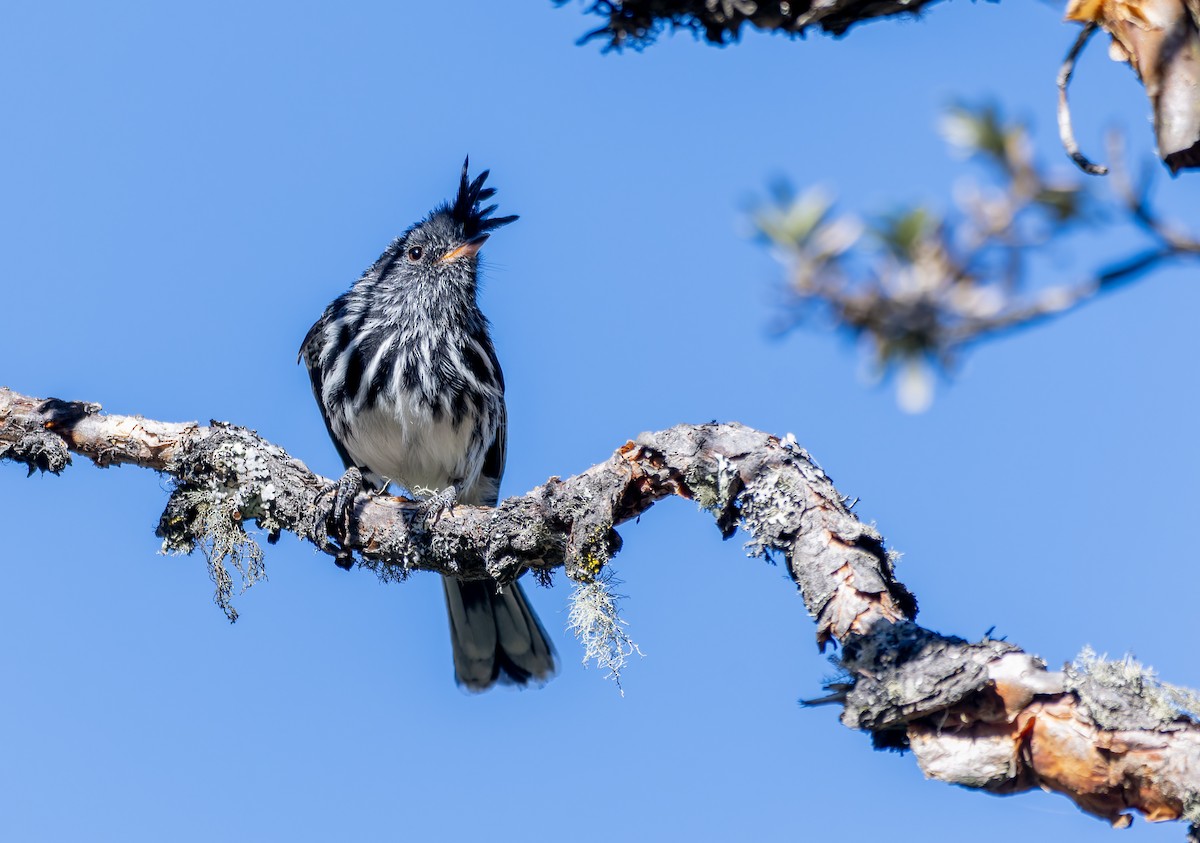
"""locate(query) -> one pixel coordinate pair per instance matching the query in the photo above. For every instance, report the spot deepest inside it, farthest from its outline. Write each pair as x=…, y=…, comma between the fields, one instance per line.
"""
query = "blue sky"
x=185, y=187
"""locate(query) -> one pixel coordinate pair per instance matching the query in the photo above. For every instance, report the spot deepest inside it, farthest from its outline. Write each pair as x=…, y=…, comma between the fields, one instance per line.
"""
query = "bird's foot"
x=333, y=505
x=434, y=504
x=346, y=490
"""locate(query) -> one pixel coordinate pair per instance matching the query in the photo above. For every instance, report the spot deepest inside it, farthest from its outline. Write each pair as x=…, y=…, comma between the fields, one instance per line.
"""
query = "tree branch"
x=1066, y=132
x=1056, y=301
x=985, y=715
x=1136, y=200
x=921, y=287
x=636, y=23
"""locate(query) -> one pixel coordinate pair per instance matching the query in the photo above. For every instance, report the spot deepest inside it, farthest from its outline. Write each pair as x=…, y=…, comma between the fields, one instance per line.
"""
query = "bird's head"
x=444, y=246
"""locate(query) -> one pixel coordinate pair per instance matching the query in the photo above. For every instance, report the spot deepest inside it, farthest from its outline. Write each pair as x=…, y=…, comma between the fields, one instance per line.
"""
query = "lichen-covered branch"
x=226, y=475
x=985, y=714
x=636, y=23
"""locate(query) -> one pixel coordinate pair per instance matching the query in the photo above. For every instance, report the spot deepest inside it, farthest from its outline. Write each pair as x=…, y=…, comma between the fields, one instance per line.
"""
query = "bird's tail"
x=495, y=635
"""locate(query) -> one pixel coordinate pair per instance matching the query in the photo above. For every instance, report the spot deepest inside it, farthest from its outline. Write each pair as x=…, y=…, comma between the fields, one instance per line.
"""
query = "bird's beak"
x=466, y=250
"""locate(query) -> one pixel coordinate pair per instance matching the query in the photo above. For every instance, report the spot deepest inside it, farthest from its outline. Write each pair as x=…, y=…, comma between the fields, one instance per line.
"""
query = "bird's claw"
x=333, y=506
x=435, y=504
x=347, y=489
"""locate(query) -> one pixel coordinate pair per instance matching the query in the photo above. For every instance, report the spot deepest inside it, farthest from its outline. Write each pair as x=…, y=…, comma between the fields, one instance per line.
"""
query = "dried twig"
x=1065, y=130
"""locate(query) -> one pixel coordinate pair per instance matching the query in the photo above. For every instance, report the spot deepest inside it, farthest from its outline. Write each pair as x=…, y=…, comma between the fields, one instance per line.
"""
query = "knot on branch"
x=904, y=673
x=39, y=444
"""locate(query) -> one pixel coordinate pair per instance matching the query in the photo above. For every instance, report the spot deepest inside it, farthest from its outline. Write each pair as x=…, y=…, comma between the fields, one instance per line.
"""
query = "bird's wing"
x=493, y=460
x=310, y=354
x=497, y=452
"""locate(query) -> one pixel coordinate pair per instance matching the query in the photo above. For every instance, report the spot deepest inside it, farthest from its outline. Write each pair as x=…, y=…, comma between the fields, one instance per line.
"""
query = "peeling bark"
x=985, y=714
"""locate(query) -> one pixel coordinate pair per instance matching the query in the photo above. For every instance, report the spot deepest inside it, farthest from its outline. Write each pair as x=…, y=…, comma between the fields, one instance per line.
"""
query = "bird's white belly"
x=405, y=444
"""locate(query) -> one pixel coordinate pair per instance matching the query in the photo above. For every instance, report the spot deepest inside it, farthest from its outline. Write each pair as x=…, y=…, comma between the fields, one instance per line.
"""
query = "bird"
x=406, y=376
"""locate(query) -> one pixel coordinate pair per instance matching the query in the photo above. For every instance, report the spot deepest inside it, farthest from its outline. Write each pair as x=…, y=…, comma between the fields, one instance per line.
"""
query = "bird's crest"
x=466, y=210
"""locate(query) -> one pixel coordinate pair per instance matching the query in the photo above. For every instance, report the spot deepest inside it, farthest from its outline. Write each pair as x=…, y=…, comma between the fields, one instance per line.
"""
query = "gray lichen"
x=591, y=542
x=1125, y=694
x=38, y=450
x=593, y=615
x=216, y=529
x=770, y=507
x=222, y=482
x=595, y=619
x=717, y=489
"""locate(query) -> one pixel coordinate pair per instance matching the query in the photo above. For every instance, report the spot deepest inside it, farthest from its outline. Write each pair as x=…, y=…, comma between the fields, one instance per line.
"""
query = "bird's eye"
x=416, y=253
